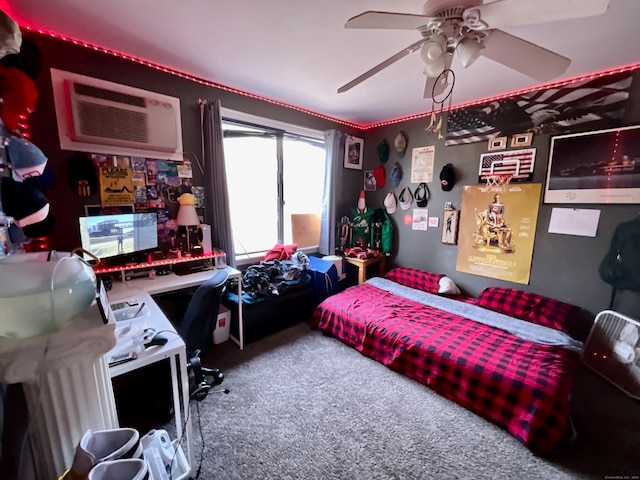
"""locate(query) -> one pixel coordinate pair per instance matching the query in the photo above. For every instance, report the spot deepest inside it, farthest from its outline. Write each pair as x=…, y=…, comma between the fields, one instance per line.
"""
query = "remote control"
x=119, y=358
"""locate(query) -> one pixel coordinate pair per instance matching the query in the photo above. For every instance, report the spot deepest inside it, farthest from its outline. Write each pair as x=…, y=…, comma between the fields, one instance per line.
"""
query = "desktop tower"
x=204, y=238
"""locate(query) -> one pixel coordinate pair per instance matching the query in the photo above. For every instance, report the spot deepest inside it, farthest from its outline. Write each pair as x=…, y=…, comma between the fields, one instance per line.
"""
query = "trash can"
x=221, y=333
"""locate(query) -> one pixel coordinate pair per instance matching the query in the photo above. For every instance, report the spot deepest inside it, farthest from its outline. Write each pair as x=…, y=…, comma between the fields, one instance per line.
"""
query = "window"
x=275, y=175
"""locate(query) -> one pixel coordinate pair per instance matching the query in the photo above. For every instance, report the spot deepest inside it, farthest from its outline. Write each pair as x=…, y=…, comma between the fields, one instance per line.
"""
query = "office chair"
x=196, y=329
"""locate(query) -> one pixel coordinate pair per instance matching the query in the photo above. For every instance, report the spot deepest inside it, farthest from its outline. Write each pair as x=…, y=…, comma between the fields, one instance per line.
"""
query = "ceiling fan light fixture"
x=468, y=51
x=434, y=48
x=435, y=68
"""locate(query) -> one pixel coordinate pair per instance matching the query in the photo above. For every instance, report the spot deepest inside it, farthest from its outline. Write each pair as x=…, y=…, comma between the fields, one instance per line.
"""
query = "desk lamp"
x=187, y=215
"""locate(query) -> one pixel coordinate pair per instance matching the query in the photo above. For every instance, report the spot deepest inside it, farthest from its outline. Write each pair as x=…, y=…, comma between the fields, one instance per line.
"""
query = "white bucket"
x=223, y=324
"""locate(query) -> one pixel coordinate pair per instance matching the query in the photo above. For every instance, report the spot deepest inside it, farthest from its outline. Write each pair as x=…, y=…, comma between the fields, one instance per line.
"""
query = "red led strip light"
x=154, y=263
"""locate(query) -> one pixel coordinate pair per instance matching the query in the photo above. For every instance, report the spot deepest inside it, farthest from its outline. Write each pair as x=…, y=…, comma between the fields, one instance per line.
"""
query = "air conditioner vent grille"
x=111, y=122
x=119, y=97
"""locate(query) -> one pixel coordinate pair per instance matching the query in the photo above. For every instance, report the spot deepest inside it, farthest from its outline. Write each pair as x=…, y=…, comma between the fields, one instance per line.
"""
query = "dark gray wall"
x=564, y=267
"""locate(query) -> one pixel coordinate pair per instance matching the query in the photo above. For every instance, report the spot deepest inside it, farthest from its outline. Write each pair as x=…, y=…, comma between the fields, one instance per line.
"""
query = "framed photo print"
x=369, y=181
x=498, y=143
x=521, y=139
x=595, y=167
x=353, y=153
x=450, y=227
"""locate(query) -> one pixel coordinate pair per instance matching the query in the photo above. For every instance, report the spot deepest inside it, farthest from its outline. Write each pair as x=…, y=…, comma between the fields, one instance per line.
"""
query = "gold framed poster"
x=497, y=231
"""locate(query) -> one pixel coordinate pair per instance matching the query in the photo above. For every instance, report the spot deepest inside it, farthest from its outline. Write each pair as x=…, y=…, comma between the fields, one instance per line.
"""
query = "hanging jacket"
x=372, y=228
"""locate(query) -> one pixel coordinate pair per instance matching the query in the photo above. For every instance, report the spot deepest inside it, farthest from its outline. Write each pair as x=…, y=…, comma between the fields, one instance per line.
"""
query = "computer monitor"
x=119, y=234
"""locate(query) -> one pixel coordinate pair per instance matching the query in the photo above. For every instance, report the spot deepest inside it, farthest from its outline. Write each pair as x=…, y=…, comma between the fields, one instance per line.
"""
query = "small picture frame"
x=521, y=139
x=370, y=183
x=448, y=206
x=450, y=227
x=498, y=143
x=353, y=153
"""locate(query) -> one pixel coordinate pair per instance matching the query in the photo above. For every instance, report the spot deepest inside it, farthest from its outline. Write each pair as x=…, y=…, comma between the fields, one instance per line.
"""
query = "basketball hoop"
x=498, y=183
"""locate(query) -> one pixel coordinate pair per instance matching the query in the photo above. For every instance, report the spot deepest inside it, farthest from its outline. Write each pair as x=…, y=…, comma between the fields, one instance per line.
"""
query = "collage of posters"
x=145, y=184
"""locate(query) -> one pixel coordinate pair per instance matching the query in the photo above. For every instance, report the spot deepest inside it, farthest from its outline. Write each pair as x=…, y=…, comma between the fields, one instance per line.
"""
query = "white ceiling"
x=298, y=51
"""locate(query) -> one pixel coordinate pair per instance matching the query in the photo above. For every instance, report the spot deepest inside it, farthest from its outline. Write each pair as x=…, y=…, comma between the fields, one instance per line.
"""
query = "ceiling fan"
x=469, y=29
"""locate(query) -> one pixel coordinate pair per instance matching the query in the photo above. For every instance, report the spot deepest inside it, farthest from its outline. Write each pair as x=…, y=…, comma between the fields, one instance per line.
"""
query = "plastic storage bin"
x=223, y=324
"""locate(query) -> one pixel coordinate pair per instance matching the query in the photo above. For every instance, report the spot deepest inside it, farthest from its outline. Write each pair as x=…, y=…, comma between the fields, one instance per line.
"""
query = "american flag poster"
x=518, y=163
x=591, y=104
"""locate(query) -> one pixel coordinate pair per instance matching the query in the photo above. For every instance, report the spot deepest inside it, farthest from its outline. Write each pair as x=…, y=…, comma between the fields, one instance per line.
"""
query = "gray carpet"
x=305, y=406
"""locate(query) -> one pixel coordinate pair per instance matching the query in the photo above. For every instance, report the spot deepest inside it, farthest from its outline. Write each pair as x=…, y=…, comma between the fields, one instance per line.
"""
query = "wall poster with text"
x=497, y=231
x=116, y=186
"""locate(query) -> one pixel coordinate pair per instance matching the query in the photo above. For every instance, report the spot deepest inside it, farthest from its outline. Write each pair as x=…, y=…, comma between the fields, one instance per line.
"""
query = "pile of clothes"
x=283, y=269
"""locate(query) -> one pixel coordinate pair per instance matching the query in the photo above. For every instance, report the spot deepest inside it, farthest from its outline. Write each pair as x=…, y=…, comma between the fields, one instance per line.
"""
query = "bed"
x=506, y=356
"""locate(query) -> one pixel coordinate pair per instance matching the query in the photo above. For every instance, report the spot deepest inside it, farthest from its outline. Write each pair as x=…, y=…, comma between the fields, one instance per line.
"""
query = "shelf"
x=154, y=263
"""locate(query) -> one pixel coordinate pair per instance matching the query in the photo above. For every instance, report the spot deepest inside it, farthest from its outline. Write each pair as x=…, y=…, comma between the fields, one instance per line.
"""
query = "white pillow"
x=448, y=286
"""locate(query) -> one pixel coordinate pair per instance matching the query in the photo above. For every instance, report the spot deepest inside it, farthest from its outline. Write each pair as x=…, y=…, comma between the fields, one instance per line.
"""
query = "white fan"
x=470, y=28
x=613, y=350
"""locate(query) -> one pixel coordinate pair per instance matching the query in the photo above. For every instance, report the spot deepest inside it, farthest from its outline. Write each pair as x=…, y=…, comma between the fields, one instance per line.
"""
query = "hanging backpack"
x=620, y=267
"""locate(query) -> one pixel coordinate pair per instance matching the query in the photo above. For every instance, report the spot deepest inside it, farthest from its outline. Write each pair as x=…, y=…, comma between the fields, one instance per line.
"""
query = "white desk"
x=141, y=289
x=173, y=282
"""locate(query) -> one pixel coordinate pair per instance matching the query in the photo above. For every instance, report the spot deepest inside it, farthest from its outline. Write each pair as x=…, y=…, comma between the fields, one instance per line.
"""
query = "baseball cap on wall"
x=28, y=206
x=400, y=144
x=422, y=195
x=383, y=151
x=405, y=198
x=380, y=174
x=395, y=175
x=26, y=159
x=447, y=177
x=10, y=35
x=390, y=203
x=83, y=177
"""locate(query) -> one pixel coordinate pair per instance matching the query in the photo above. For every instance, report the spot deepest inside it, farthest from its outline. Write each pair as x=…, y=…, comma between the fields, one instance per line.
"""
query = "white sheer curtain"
x=216, y=194
x=334, y=146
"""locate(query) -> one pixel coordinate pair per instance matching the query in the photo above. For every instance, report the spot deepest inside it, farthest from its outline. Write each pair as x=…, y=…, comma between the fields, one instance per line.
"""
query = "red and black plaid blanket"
x=520, y=385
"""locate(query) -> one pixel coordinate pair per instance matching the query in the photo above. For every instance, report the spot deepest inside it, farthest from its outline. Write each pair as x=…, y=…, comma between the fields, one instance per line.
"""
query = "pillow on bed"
x=529, y=306
x=418, y=279
x=448, y=287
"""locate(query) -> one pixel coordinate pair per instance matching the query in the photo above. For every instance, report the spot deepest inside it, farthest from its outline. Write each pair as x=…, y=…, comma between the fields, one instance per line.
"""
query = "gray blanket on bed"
x=520, y=328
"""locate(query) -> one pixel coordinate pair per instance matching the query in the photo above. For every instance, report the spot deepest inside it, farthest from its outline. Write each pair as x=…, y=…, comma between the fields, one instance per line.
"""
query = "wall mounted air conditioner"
x=98, y=116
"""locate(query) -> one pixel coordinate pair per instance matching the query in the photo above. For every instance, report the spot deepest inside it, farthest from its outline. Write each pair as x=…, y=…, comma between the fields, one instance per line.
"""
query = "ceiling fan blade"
x=522, y=56
x=388, y=21
x=389, y=61
x=511, y=13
